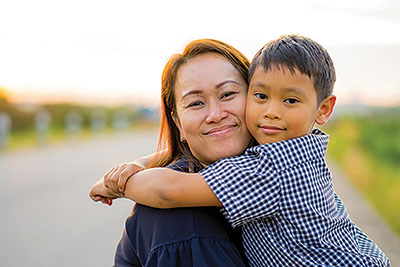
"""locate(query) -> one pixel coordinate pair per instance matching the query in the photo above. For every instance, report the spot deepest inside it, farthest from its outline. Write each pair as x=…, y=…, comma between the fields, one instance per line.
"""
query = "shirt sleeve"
x=247, y=186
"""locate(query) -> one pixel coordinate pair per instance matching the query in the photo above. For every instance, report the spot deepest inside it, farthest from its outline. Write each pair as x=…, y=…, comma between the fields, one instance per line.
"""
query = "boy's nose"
x=272, y=112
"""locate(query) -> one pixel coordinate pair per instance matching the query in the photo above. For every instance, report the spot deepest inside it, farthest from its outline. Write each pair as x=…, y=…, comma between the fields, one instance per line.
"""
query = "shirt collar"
x=288, y=153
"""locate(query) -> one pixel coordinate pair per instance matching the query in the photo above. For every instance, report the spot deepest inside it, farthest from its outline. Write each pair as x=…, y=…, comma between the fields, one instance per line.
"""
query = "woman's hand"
x=116, y=178
x=99, y=192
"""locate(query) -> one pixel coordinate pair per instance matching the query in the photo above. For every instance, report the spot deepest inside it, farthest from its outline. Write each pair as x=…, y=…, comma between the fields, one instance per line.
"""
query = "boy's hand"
x=99, y=192
x=116, y=178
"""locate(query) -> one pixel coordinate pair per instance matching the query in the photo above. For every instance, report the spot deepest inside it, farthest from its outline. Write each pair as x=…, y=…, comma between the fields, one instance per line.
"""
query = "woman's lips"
x=271, y=129
x=220, y=131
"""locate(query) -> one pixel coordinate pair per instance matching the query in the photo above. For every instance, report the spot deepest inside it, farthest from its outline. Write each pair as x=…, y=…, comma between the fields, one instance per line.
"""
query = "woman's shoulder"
x=182, y=165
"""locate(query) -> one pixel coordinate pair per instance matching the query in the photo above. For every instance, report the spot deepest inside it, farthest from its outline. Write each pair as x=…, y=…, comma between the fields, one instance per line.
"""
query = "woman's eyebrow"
x=198, y=92
x=192, y=92
x=225, y=82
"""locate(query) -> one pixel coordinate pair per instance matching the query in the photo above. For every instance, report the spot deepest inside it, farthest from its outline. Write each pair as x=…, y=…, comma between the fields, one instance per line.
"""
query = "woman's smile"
x=221, y=131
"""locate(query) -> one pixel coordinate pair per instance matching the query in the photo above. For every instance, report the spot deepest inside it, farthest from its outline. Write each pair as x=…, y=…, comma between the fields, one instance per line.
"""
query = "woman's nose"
x=216, y=112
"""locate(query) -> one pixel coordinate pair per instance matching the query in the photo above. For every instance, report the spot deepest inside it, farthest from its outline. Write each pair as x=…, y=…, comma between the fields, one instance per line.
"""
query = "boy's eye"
x=260, y=96
x=291, y=101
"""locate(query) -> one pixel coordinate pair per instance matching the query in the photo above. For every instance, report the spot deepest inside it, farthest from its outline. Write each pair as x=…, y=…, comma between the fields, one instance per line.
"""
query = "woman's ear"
x=177, y=122
x=325, y=110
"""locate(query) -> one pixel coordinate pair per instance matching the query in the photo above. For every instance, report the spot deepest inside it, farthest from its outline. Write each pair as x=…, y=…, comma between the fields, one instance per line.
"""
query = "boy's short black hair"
x=301, y=53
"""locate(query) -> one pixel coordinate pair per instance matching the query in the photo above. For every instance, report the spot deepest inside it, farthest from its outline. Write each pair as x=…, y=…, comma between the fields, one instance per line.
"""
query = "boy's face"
x=282, y=105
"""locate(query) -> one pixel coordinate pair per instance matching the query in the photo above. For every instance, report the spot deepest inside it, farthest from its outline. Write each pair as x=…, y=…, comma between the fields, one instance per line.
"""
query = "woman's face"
x=210, y=102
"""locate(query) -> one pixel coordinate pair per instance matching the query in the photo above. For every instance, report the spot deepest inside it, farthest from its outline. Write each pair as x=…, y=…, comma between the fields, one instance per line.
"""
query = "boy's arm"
x=115, y=179
x=165, y=188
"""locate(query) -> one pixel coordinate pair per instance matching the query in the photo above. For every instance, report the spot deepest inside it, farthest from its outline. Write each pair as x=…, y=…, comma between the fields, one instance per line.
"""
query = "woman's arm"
x=165, y=188
x=98, y=192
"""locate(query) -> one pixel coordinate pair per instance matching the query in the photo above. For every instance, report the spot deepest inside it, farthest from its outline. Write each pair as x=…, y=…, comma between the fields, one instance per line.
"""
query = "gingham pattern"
x=281, y=194
x=365, y=244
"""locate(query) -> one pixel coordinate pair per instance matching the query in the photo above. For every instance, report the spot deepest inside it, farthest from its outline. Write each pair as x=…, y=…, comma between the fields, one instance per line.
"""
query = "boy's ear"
x=325, y=110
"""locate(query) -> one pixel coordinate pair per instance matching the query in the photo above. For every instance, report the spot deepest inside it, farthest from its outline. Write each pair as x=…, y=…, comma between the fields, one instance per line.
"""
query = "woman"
x=202, y=120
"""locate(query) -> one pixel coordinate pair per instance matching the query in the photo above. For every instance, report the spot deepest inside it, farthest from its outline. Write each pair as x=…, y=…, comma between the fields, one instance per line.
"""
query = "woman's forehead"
x=204, y=62
x=206, y=72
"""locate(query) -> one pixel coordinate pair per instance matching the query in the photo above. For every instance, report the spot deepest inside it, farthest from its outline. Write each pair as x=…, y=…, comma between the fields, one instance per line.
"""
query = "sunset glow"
x=113, y=52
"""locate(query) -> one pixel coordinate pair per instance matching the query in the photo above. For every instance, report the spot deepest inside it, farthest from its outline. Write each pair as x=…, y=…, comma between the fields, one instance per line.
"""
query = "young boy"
x=280, y=192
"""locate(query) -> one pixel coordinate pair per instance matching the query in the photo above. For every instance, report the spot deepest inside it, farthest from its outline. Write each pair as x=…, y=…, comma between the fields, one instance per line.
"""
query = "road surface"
x=47, y=218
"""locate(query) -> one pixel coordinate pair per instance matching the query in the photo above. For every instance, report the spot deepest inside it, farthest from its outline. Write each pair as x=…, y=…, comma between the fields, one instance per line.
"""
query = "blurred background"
x=79, y=93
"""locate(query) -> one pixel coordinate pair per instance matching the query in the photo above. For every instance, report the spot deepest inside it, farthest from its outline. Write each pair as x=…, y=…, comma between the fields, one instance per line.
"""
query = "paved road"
x=363, y=214
x=47, y=218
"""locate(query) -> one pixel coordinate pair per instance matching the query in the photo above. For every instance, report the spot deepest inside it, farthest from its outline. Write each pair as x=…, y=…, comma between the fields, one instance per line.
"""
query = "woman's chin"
x=213, y=150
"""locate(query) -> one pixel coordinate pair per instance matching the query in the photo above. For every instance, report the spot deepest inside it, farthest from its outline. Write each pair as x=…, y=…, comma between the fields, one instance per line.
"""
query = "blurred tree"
x=5, y=106
x=21, y=120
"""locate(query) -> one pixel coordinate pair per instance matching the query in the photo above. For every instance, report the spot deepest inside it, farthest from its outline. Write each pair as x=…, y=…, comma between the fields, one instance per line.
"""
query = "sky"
x=108, y=52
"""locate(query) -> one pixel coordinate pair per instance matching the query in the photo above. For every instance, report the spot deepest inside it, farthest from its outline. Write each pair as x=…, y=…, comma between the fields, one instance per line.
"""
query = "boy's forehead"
x=277, y=67
x=261, y=72
x=284, y=76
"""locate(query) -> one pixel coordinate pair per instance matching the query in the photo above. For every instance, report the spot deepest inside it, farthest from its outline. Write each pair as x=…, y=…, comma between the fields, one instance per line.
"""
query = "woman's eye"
x=227, y=94
x=260, y=96
x=195, y=104
x=291, y=101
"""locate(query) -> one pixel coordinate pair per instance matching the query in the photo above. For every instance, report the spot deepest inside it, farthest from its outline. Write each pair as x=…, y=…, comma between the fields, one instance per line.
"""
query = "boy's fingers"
x=107, y=201
x=109, y=171
x=112, y=179
x=105, y=177
x=113, y=185
x=121, y=185
x=127, y=174
x=123, y=178
x=93, y=196
x=110, y=175
x=100, y=198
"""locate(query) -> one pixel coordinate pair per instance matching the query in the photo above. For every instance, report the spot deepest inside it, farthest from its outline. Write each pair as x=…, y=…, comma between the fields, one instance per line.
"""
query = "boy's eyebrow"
x=295, y=90
x=287, y=89
x=197, y=92
x=259, y=84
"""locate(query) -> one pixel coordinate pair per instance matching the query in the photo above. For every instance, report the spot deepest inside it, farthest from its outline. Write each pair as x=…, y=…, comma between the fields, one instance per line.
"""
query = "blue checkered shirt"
x=281, y=194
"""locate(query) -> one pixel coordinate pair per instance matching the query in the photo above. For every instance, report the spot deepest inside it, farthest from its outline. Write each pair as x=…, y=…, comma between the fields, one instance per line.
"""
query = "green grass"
x=28, y=139
x=368, y=150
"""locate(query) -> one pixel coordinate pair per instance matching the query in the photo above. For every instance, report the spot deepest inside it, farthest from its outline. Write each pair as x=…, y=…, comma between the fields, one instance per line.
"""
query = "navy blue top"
x=178, y=237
